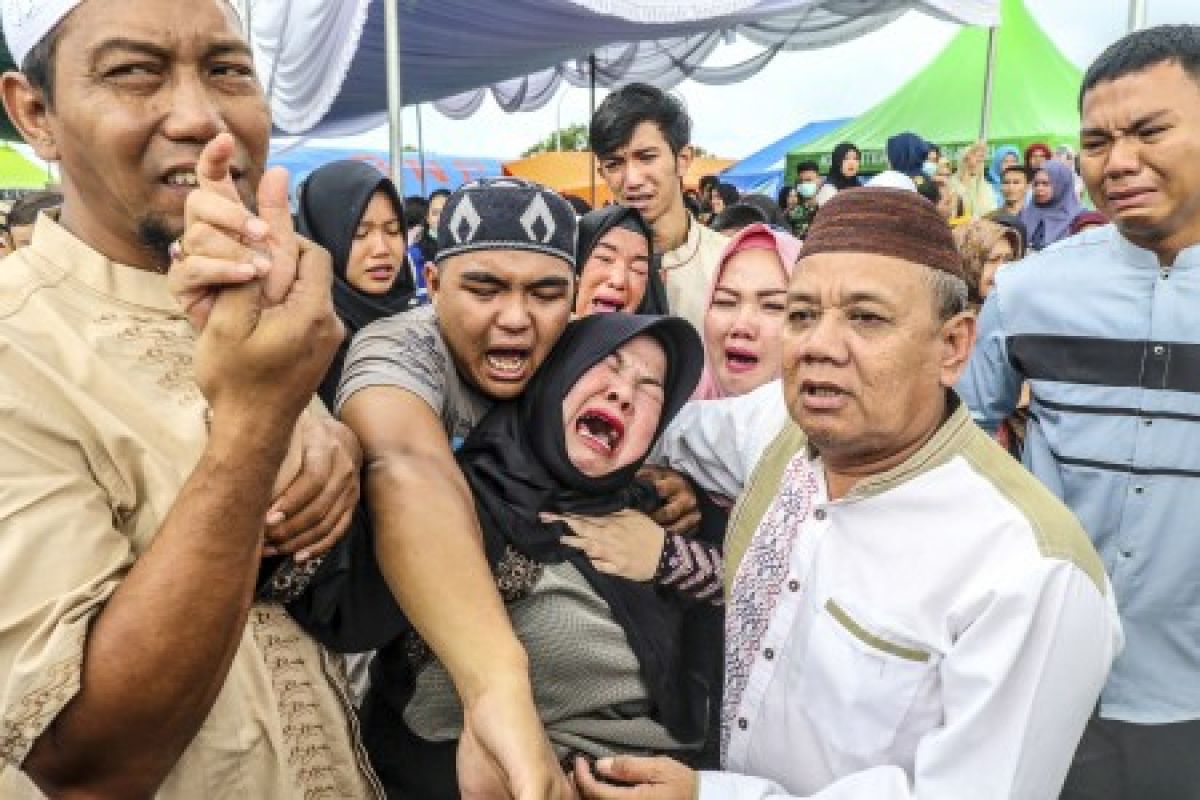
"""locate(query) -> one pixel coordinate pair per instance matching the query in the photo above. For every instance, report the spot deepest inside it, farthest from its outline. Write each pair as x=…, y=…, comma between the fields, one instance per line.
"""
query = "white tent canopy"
x=323, y=60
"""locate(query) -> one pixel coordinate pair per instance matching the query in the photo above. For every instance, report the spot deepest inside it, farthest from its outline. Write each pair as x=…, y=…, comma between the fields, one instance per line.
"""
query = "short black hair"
x=708, y=182
x=416, y=210
x=808, y=166
x=626, y=108
x=26, y=208
x=728, y=192
x=738, y=216
x=438, y=193
x=1143, y=49
x=1021, y=168
x=772, y=213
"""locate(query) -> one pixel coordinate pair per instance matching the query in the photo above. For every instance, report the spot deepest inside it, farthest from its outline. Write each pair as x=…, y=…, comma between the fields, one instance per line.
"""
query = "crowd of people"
x=1037, y=195
x=882, y=490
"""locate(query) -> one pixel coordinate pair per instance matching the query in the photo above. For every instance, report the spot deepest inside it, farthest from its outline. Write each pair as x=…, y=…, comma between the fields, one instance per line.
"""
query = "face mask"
x=929, y=168
x=807, y=190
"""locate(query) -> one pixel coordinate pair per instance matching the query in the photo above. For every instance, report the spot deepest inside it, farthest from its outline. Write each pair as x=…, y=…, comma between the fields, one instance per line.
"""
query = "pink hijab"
x=755, y=237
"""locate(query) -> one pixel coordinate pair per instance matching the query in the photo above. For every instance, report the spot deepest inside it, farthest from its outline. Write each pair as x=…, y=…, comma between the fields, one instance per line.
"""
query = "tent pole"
x=421, y=150
x=985, y=119
x=391, y=16
x=1137, y=15
x=592, y=104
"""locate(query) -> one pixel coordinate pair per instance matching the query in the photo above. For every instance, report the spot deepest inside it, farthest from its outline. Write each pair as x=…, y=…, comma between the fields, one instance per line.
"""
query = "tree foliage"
x=572, y=137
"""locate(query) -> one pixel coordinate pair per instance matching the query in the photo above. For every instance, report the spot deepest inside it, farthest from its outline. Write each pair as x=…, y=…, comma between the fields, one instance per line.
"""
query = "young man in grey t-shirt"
x=501, y=290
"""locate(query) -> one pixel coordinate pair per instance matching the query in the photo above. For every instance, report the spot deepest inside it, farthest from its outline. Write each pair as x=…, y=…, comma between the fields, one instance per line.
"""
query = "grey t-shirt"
x=407, y=351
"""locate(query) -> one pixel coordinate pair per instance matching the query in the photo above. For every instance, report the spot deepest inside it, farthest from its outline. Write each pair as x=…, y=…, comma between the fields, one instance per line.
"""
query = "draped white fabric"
x=305, y=48
x=318, y=55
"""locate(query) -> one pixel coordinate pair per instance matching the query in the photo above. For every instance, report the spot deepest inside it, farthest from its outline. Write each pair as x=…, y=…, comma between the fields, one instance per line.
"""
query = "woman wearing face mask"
x=929, y=168
x=621, y=659
x=743, y=326
x=354, y=212
x=843, y=172
x=614, y=257
x=1054, y=205
x=978, y=196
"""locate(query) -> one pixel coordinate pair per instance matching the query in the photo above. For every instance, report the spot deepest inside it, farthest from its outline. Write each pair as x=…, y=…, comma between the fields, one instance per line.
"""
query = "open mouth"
x=638, y=201
x=381, y=273
x=740, y=360
x=507, y=364
x=606, y=305
x=600, y=430
x=819, y=389
x=184, y=177
x=823, y=396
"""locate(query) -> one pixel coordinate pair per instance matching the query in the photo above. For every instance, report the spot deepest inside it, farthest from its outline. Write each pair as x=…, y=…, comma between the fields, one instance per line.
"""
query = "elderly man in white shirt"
x=911, y=614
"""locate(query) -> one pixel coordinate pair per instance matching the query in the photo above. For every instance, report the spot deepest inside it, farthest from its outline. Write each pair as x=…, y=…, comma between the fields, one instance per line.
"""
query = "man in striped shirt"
x=1102, y=327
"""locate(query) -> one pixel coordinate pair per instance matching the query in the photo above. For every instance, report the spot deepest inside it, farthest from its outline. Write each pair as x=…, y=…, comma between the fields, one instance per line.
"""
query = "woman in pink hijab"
x=747, y=308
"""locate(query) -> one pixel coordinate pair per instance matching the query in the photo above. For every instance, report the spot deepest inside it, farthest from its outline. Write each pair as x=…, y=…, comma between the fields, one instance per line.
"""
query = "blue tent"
x=441, y=171
x=762, y=172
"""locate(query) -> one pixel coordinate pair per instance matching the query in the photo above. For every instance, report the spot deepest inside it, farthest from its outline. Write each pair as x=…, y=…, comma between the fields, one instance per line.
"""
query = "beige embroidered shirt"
x=100, y=425
x=688, y=270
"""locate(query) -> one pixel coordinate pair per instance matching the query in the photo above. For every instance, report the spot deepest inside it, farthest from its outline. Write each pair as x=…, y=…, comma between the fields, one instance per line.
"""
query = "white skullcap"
x=891, y=179
x=26, y=22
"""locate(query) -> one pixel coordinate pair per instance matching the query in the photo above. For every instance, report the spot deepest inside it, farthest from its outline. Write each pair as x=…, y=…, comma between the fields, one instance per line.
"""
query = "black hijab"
x=516, y=464
x=836, y=176
x=331, y=204
x=592, y=228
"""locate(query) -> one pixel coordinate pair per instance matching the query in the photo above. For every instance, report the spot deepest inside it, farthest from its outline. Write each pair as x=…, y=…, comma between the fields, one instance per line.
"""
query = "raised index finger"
x=213, y=169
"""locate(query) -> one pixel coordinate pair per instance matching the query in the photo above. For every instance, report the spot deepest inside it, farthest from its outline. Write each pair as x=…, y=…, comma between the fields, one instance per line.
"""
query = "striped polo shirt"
x=1109, y=342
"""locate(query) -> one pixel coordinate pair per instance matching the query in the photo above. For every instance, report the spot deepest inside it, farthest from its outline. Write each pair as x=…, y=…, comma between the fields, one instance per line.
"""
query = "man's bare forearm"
x=159, y=652
x=430, y=552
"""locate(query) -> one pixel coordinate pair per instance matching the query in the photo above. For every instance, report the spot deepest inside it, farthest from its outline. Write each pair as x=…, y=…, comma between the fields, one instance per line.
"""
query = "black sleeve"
x=347, y=606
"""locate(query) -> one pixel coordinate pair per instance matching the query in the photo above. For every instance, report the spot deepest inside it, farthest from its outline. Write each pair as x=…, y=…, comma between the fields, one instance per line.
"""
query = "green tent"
x=17, y=172
x=1034, y=97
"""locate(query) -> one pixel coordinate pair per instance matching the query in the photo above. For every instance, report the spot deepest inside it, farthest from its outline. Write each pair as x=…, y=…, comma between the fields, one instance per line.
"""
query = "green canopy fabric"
x=16, y=172
x=1034, y=97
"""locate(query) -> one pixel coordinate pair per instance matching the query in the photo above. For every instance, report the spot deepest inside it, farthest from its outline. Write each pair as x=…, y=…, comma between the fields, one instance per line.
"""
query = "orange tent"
x=566, y=172
x=705, y=166
x=570, y=172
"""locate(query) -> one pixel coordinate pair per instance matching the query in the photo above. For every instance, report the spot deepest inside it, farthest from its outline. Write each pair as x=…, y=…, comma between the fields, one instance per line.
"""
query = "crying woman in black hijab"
x=614, y=257
x=622, y=660
x=354, y=212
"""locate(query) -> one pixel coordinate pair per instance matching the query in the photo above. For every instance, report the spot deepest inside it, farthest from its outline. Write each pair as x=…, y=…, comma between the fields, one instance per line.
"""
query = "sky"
x=794, y=89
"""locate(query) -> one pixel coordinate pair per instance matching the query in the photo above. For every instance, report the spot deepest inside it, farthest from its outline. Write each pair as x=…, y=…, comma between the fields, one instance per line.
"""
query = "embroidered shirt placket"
x=786, y=616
